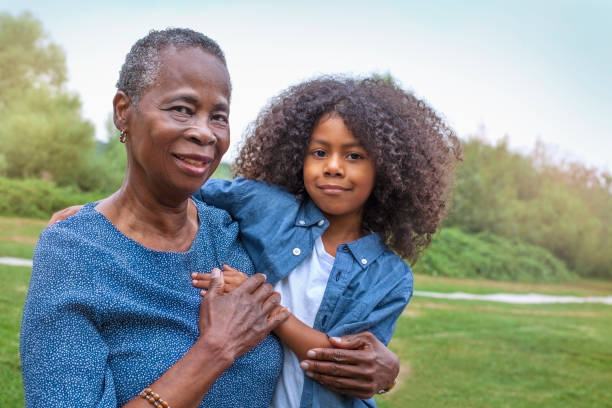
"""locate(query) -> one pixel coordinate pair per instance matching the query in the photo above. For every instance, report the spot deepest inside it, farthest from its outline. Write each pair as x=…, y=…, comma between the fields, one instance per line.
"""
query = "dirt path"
x=517, y=298
x=15, y=261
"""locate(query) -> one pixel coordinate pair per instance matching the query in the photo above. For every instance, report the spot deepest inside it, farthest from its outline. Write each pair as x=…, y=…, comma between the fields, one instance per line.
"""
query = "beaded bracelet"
x=153, y=398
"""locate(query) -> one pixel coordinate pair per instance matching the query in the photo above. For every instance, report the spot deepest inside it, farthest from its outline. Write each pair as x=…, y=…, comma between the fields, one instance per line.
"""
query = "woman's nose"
x=201, y=133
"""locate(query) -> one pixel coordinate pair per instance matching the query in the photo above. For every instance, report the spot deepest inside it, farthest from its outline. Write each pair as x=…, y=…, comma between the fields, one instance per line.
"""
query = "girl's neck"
x=157, y=222
x=341, y=230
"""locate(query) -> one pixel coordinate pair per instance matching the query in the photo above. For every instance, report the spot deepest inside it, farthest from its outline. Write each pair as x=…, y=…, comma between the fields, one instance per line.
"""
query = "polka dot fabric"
x=105, y=316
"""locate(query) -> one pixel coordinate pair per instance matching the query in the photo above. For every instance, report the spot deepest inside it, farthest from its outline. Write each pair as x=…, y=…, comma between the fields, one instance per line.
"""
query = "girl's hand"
x=232, y=277
x=63, y=214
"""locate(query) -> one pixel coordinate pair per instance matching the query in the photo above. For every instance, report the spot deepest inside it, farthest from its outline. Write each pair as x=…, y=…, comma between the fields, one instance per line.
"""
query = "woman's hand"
x=231, y=276
x=360, y=366
x=235, y=322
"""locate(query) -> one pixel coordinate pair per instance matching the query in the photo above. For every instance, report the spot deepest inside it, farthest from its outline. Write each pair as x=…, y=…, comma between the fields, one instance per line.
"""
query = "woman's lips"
x=194, y=164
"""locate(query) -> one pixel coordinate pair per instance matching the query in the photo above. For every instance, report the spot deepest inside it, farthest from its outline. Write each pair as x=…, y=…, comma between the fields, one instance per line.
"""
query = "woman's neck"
x=162, y=222
x=341, y=230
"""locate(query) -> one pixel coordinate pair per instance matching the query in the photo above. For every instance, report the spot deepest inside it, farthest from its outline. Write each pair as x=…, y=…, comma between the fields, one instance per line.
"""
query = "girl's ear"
x=121, y=110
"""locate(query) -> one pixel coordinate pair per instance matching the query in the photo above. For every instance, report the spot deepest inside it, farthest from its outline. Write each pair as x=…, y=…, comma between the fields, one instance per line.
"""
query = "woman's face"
x=179, y=130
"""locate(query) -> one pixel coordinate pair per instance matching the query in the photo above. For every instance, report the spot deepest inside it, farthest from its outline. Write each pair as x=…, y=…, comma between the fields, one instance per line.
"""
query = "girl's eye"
x=319, y=153
x=355, y=156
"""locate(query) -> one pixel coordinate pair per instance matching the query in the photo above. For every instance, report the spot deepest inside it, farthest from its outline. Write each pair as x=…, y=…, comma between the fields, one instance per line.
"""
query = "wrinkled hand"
x=231, y=276
x=237, y=321
x=360, y=366
x=63, y=214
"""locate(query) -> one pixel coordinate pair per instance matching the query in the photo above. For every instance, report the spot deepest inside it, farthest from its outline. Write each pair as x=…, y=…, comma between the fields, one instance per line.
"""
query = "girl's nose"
x=333, y=166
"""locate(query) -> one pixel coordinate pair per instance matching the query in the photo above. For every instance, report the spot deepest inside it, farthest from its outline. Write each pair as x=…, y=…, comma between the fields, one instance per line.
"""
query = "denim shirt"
x=368, y=287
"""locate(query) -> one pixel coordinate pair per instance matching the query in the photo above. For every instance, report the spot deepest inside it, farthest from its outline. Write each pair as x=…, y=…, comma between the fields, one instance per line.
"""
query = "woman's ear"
x=121, y=108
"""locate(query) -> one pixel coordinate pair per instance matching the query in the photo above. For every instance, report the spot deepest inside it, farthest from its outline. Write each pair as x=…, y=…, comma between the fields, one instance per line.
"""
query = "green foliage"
x=565, y=208
x=38, y=198
x=223, y=172
x=42, y=133
x=454, y=253
x=27, y=57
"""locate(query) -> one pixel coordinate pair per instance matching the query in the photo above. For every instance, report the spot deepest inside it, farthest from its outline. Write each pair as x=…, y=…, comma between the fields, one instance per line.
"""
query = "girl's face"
x=338, y=173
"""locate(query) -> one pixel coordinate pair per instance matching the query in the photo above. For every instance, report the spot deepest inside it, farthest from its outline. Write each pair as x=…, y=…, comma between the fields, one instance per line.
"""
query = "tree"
x=42, y=133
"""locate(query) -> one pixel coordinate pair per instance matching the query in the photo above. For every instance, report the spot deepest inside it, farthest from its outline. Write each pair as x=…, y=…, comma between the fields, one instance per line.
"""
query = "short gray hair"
x=142, y=64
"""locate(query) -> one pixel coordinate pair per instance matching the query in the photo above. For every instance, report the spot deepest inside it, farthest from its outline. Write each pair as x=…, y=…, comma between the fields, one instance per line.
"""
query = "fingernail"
x=308, y=373
x=193, y=281
x=304, y=365
x=265, y=277
x=338, y=339
x=203, y=292
x=194, y=274
x=215, y=273
x=311, y=353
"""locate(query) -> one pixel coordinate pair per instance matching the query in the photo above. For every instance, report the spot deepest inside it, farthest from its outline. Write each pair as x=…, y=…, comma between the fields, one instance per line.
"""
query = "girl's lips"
x=330, y=189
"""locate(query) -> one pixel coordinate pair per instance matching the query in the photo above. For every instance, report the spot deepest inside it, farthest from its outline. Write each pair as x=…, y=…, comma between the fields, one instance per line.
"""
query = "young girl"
x=341, y=179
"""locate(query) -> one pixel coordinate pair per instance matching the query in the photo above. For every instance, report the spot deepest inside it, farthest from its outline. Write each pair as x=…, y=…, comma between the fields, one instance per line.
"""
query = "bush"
x=455, y=253
x=38, y=198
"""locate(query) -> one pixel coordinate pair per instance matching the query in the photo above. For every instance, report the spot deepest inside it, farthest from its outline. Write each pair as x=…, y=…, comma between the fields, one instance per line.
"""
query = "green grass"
x=479, y=354
x=18, y=236
x=579, y=287
x=14, y=282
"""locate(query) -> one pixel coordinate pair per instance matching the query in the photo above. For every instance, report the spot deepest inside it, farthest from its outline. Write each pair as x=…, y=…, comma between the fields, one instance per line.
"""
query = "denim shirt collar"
x=309, y=215
x=365, y=250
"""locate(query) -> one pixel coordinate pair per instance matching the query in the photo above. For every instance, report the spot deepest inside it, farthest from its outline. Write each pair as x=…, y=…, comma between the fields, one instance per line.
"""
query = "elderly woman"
x=111, y=312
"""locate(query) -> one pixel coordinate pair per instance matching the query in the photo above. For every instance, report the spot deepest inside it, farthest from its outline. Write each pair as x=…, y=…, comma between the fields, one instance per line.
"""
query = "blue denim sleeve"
x=63, y=355
x=222, y=194
x=380, y=319
x=237, y=197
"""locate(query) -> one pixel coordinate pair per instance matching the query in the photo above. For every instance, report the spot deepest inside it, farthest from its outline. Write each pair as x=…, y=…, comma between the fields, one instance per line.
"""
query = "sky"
x=529, y=70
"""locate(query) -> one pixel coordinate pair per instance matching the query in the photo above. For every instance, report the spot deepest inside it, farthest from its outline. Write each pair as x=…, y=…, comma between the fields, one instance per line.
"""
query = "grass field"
x=453, y=353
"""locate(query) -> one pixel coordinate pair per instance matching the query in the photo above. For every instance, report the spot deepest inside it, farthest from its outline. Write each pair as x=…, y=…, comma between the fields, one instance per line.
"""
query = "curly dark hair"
x=414, y=151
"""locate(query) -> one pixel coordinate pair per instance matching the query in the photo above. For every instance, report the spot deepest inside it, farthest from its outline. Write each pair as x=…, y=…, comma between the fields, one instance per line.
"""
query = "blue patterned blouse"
x=105, y=316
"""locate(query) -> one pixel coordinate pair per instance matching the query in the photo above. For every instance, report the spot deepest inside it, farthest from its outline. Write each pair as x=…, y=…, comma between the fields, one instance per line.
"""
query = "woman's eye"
x=182, y=109
x=220, y=118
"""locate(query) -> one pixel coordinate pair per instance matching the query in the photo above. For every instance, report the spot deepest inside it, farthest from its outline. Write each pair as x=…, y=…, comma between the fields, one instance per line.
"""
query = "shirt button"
x=302, y=222
x=296, y=251
x=345, y=247
x=364, y=261
x=320, y=223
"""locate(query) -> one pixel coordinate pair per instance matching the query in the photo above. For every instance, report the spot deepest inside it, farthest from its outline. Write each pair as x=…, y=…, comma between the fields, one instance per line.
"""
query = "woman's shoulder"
x=86, y=236
x=77, y=227
x=67, y=250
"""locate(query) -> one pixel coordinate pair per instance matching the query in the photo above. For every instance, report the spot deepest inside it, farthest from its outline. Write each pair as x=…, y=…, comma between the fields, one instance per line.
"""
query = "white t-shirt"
x=302, y=291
